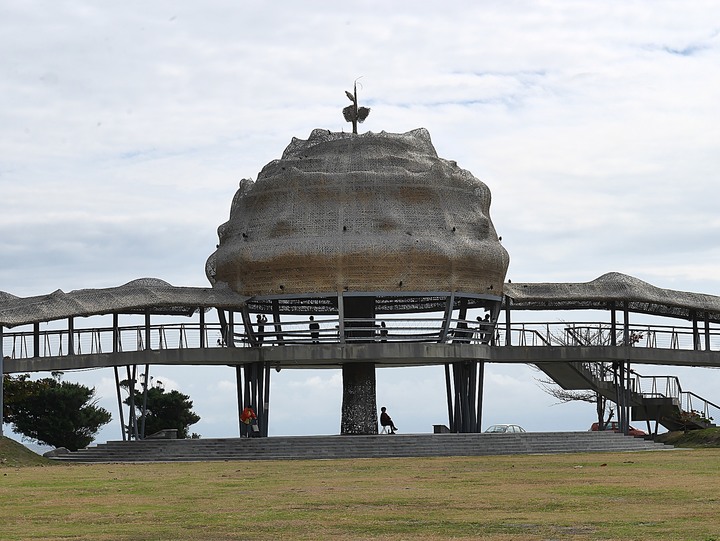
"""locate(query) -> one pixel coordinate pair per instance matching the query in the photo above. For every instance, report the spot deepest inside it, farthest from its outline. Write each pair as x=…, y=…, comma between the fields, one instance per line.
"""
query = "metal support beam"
x=253, y=389
x=146, y=384
x=2, y=380
x=203, y=338
x=147, y=329
x=448, y=390
x=266, y=403
x=508, y=332
x=276, y=321
x=240, y=401
x=625, y=425
x=223, y=326
x=449, y=305
x=707, y=331
x=132, y=419
x=480, y=390
x=341, y=317
x=120, y=406
x=249, y=332
x=36, y=339
x=71, y=336
x=465, y=397
x=116, y=333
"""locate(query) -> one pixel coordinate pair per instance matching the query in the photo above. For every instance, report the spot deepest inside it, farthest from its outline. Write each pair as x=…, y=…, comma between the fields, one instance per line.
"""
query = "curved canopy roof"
x=159, y=297
x=139, y=296
x=613, y=287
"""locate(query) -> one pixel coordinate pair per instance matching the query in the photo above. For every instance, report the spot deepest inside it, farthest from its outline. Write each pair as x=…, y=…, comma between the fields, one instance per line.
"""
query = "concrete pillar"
x=359, y=404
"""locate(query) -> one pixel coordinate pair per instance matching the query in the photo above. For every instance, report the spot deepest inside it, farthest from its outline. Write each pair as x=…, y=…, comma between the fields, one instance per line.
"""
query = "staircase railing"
x=654, y=387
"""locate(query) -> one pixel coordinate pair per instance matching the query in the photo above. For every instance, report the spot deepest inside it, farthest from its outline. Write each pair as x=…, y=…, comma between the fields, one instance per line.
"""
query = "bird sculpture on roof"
x=353, y=113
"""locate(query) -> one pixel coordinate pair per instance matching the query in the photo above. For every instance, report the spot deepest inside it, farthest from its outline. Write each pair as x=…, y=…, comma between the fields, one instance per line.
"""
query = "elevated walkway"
x=374, y=446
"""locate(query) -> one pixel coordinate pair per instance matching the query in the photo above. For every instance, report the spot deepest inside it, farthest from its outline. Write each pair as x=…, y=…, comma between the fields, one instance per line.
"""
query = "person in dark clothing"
x=485, y=329
x=314, y=330
x=261, y=321
x=386, y=421
x=383, y=332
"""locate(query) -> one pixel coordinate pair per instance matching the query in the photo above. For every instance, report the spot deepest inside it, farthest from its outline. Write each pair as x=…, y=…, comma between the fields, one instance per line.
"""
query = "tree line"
x=60, y=413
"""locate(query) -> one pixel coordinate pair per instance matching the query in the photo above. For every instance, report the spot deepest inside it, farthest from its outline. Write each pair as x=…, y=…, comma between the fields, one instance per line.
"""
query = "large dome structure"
x=354, y=226
x=360, y=213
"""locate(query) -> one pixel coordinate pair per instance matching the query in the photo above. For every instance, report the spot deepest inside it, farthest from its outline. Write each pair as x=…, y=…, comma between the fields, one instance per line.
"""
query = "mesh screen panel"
x=370, y=212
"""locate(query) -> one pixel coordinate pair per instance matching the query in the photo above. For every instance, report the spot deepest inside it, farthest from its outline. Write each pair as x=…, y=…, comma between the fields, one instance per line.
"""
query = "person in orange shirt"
x=249, y=418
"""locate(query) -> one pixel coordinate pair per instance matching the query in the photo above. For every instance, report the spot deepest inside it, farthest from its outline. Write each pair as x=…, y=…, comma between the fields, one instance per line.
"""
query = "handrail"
x=672, y=388
x=19, y=345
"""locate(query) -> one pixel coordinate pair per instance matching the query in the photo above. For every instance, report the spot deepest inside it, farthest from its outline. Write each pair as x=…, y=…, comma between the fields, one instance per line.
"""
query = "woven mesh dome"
x=369, y=213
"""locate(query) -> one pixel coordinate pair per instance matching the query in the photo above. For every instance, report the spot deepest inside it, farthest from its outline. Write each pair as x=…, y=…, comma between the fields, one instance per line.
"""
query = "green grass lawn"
x=650, y=495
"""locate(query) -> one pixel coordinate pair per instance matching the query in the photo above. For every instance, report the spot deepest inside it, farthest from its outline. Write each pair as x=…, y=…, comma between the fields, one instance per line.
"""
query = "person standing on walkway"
x=261, y=321
x=314, y=330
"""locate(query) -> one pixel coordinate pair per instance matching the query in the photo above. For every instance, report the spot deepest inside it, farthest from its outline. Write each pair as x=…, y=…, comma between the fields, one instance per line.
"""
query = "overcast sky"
x=126, y=127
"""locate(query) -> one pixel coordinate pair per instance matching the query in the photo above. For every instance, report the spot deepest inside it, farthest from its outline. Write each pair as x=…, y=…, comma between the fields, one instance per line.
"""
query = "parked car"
x=614, y=426
x=503, y=429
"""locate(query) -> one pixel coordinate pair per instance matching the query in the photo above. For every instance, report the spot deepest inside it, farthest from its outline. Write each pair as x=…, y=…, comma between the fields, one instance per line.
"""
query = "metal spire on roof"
x=353, y=113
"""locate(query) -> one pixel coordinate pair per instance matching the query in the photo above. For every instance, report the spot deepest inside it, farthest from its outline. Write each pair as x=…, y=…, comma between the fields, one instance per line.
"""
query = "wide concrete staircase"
x=375, y=446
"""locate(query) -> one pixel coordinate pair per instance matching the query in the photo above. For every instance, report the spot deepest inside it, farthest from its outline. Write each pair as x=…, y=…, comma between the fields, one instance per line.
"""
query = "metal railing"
x=653, y=387
x=601, y=334
x=57, y=343
x=51, y=343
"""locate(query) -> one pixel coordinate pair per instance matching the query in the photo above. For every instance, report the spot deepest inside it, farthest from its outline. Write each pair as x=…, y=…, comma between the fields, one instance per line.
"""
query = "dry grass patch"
x=656, y=495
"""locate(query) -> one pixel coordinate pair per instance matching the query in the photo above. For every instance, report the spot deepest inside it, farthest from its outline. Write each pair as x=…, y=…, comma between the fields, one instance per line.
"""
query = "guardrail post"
x=116, y=333
x=147, y=329
x=508, y=331
x=36, y=339
x=71, y=336
x=202, y=327
x=707, y=331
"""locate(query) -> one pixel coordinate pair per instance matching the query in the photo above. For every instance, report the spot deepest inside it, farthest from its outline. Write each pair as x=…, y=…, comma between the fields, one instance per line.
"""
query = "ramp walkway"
x=373, y=446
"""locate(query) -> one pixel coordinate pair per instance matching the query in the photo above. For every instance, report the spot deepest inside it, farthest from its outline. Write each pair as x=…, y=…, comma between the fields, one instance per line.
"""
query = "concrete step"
x=373, y=446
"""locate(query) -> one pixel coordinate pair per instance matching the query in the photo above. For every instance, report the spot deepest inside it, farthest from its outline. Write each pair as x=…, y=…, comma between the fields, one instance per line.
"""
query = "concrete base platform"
x=375, y=446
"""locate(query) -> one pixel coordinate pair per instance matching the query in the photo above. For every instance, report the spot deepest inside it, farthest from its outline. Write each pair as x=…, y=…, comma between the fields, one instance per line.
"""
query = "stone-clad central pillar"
x=359, y=404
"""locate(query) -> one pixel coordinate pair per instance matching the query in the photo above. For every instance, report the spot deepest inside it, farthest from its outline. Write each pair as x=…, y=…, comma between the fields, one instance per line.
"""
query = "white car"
x=504, y=429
